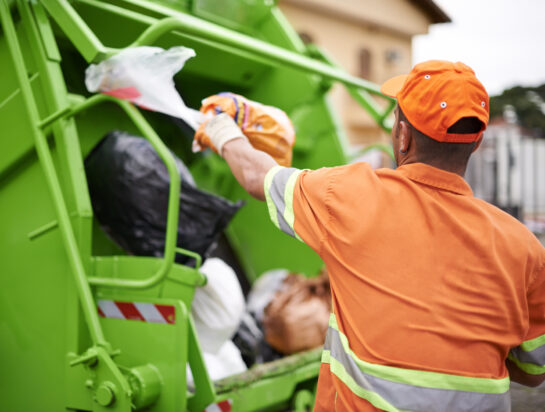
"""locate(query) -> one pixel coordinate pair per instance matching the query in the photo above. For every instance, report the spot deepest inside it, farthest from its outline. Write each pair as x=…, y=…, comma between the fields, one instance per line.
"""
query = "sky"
x=502, y=40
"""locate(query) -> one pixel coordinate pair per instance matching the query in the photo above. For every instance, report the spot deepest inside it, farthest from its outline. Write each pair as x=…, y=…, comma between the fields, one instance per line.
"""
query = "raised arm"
x=249, y=166
x=295, y=198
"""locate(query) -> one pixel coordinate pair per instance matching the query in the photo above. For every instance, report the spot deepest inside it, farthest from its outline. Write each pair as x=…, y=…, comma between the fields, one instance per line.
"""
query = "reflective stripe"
x=289, y=215
x=338, y=370
x=270, y=204
x=537, y=356
x=278, y=193
x=279, y=187
x=394, y=389
x=531, y=367
x=424, y=378
x=530, y=355
x=532, y=344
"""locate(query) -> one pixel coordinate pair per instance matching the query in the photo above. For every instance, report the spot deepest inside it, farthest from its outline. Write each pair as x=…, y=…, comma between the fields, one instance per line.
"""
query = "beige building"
x=369, y=38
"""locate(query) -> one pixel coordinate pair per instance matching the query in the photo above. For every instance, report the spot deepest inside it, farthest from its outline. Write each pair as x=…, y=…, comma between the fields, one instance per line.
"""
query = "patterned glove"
x=217, y=131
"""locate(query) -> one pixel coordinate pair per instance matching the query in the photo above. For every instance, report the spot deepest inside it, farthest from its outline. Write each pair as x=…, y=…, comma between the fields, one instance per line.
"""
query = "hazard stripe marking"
x=223, y=406
x=139, y=311
x=168, y=313
x=150, y=312
x=129, y=310
x=110, y=310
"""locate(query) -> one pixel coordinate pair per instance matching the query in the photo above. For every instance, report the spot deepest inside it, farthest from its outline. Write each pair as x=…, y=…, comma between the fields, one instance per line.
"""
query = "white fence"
x=509, y=171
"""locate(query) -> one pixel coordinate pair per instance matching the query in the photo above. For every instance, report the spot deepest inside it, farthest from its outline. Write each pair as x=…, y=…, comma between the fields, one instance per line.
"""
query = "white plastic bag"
x=217, y=306
x=143, y=75
x=228, y=361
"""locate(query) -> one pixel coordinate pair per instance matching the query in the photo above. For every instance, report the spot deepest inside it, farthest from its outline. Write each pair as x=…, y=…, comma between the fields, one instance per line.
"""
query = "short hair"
x=429, y=150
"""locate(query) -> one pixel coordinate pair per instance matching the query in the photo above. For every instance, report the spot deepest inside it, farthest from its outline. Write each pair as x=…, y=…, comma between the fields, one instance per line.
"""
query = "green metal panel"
x=180, y=282
x=142, y=343
x=37, y=283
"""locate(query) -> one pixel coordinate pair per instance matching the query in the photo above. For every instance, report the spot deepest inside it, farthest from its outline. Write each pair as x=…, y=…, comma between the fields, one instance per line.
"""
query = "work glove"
x=217, y=131
x=267, y=128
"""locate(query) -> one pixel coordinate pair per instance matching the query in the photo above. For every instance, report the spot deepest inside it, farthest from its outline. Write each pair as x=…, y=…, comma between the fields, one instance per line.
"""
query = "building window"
x=393, y=57
x=307, y=38
x=365, y=63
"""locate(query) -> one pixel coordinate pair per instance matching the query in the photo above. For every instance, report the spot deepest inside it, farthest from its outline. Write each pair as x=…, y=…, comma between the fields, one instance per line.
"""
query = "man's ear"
x=405, y=136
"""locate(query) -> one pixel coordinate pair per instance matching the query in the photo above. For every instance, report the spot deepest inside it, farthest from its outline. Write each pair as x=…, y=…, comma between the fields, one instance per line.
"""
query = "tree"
x=529, y=105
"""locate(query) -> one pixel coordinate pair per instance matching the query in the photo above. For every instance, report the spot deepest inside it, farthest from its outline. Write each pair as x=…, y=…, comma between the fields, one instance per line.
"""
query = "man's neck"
x=458, y=169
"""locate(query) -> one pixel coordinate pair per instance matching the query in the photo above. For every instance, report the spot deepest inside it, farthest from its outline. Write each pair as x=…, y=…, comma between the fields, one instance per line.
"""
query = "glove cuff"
x=221, y=129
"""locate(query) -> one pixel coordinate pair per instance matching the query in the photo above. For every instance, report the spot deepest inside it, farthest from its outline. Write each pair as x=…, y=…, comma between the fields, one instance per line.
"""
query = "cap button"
x=457, y=68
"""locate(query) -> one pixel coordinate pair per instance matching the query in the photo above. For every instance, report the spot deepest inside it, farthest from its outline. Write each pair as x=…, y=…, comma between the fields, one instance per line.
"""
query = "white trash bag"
x=217, y=306
x=143, y=76
x=227, y=362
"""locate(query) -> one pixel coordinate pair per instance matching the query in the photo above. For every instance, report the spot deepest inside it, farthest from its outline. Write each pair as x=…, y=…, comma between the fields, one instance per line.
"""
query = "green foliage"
x=526, y=101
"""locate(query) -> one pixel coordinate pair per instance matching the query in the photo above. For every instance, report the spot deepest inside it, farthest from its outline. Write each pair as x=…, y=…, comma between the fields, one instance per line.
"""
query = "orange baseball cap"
x=436, y=94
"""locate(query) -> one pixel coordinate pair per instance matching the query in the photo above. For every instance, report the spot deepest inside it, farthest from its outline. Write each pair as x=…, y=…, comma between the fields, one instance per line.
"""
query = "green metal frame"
x=101, y=349
x=173, y=198
x=94, y=51
x=87, y=274
x=42, y=149
x=366, y=101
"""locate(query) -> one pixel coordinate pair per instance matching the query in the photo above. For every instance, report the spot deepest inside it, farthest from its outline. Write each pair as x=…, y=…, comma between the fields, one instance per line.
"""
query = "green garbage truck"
x=56, y=350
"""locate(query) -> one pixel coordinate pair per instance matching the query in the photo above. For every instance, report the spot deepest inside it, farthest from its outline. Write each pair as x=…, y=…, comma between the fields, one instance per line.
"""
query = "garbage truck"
x=57, y=351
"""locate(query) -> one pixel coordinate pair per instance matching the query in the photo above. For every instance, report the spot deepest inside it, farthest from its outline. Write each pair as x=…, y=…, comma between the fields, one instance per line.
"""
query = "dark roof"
x=435, y=13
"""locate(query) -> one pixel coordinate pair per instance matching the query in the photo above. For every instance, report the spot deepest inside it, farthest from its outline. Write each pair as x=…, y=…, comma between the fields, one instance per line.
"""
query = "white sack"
x=228, y=361
x=218, y=306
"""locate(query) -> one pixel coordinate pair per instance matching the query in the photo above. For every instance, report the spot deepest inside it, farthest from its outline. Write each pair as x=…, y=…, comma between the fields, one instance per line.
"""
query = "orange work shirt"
x=432, y=288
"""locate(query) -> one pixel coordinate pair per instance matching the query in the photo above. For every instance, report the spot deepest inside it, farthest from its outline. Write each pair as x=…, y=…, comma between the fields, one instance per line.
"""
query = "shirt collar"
x=438, y=178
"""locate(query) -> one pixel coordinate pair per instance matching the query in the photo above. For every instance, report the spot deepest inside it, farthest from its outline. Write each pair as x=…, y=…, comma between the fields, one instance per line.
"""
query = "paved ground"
x=526, y=399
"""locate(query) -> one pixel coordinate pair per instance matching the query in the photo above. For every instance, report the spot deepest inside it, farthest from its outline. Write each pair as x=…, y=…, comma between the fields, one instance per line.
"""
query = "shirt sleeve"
x=529, y=356
x=296, y=200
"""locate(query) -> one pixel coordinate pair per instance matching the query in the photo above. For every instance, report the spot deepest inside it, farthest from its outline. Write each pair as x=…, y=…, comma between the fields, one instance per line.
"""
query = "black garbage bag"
x=250, y=340
x=129, y=187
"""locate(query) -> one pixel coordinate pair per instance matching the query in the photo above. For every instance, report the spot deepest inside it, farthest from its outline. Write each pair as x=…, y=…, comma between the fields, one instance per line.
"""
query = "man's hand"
x=217, y=131
x=249, y=166
x=267, y=128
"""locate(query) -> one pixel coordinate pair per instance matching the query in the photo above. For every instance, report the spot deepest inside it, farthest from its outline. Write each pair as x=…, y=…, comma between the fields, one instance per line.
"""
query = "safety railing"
x=93, y=50
x=173, y=197
x=359, y=89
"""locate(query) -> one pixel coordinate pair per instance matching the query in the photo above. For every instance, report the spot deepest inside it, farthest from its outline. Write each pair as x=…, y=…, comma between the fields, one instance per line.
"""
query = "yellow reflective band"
x=273, y=214
x=426, y=379
x=338, y=369
x=532, y=344
x=289, y=215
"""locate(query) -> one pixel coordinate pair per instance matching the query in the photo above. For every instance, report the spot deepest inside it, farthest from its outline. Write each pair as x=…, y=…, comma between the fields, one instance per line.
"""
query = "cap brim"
x=393, y=86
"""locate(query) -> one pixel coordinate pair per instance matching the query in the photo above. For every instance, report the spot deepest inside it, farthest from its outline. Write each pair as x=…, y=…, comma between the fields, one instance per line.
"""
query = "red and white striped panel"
x=144, y=312
x=223, y=406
